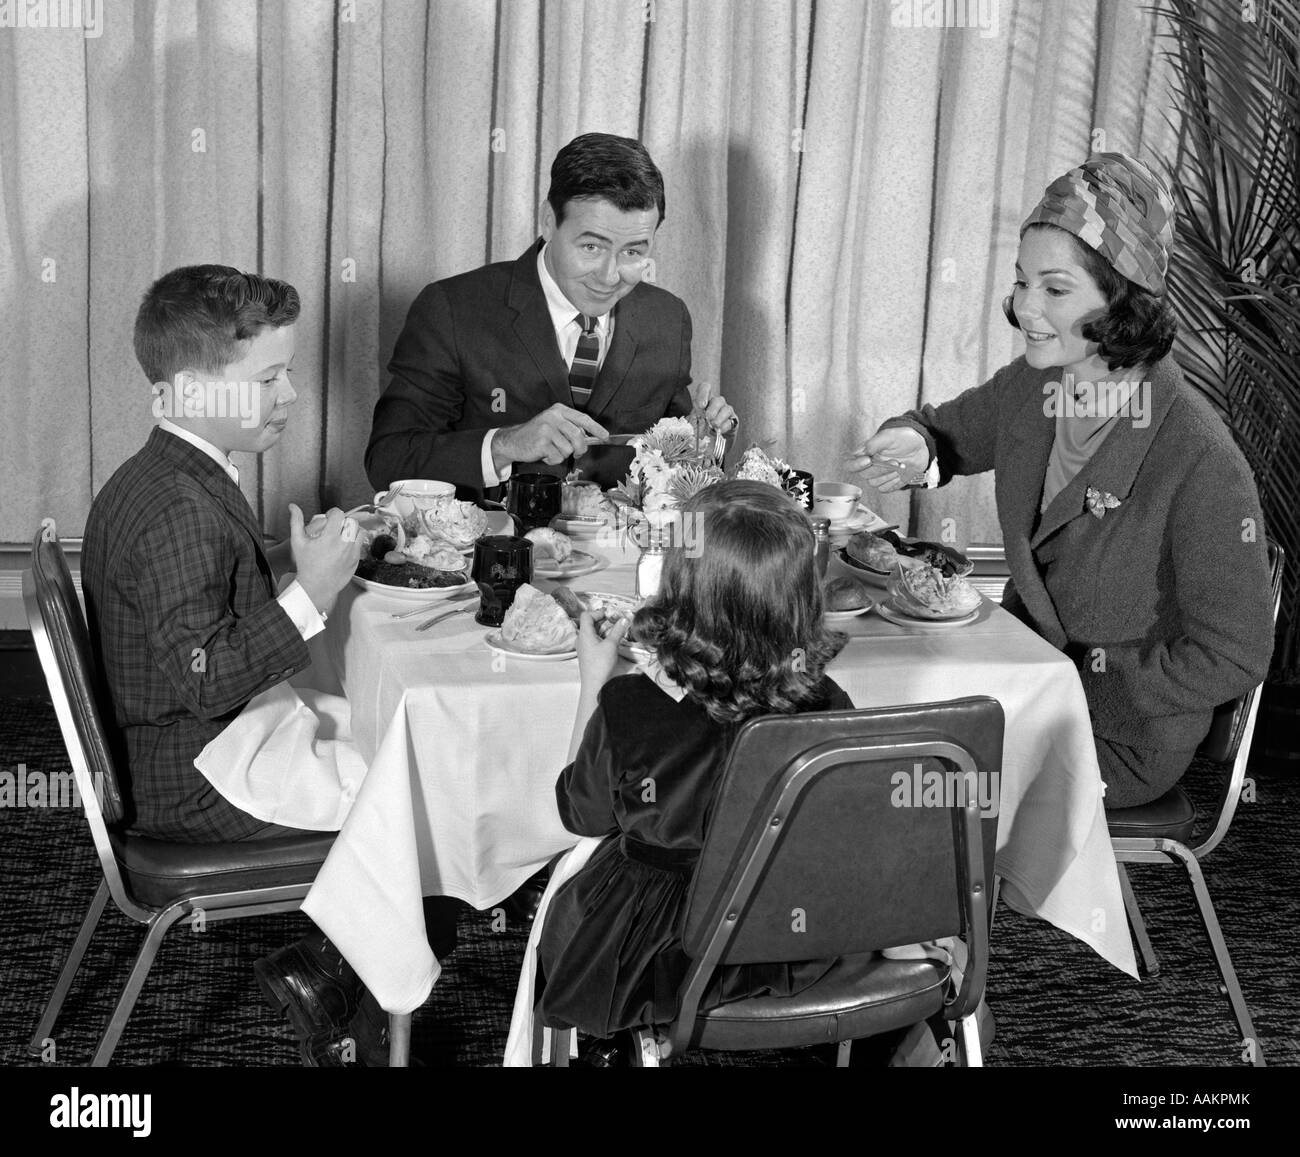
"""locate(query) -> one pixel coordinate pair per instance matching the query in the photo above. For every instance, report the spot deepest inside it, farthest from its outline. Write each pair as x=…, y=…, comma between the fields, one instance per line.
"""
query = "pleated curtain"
x=844, y=189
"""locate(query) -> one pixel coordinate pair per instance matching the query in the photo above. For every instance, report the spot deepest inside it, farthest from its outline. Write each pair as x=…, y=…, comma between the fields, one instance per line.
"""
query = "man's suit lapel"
x=532, y=325
x=219, y=484
x=618, y=361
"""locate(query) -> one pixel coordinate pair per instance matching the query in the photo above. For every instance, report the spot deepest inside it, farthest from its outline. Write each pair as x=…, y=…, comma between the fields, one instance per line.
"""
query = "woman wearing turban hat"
x=1130, y=520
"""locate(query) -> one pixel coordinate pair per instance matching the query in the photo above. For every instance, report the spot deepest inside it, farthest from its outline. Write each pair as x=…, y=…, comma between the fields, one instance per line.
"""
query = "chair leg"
x=1250, y=1041
x=1138, y=924
x=970, y=1042
x=399, y=1040
x=539, y=1040
x=842, y=1054
x=645, y=1049
x=64, y=984
x=153, y=938
x=993, y=901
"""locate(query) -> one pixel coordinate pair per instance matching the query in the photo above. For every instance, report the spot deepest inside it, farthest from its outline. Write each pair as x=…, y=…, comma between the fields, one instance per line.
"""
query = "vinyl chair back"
x=1161, y=832
x=62, y=642
x=154, y=882
x=1228, y=741
x=816, y=849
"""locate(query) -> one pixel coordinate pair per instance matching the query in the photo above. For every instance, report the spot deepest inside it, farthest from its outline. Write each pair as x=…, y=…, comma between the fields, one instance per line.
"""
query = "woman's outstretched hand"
x=891, y=459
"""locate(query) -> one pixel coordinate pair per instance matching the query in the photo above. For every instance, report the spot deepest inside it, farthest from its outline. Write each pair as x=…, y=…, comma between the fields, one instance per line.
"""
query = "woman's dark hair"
x=196, y=317
x=738, y=621
x=597, y=166
x=1139, y=327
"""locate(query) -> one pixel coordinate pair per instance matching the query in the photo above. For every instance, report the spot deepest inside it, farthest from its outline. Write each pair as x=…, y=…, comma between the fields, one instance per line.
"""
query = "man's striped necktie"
x=586, y=361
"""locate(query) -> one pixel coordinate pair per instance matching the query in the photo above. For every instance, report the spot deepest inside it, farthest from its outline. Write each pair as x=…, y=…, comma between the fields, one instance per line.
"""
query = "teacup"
x=835, y=500
x=416, y=494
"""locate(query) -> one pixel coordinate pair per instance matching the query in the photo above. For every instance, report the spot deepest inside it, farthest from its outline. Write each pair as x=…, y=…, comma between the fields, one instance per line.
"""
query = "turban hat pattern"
x=1118, y=207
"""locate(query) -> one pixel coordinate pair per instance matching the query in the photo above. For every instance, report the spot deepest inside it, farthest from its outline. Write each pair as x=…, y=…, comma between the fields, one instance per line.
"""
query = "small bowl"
x=417, y=493
x=835, y=500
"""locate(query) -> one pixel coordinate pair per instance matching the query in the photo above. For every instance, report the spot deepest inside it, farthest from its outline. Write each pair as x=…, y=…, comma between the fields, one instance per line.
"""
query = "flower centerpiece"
x=667, y=470
x=756, y=465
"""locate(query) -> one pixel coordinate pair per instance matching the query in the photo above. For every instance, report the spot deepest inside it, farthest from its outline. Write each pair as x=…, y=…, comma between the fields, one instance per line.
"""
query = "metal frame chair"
x=154, y=882
x=806, y=819
x=1160, y=832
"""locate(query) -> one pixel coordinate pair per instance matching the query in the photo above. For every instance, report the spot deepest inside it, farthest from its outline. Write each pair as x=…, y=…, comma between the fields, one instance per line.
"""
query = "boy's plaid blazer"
x=181, y=600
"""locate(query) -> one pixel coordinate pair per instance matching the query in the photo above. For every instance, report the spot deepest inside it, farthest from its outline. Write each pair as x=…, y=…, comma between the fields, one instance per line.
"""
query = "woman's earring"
x=1009, y=313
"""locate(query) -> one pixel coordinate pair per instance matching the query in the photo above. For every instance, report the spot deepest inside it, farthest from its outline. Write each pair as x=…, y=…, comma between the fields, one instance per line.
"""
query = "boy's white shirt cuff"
x=302, y=612
x=490, y=475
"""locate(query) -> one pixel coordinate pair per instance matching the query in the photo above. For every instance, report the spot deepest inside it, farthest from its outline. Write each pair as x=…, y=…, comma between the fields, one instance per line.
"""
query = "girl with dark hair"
x=1130, y=519
x=737, y=632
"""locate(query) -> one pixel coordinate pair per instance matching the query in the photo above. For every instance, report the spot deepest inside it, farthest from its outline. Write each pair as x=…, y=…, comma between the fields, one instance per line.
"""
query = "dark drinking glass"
x=534, y=499
x=502, y=564
x=805, y=496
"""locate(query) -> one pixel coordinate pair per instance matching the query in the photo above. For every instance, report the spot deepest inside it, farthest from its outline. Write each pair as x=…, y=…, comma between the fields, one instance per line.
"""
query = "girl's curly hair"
x=737, y=621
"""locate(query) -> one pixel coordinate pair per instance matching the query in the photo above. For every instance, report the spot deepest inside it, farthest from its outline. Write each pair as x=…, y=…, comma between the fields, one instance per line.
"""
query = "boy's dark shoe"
x=311, y=984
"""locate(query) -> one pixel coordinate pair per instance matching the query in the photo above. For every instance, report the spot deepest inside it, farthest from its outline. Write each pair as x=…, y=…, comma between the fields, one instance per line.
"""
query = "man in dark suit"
x=533, y=362
x=181, y=596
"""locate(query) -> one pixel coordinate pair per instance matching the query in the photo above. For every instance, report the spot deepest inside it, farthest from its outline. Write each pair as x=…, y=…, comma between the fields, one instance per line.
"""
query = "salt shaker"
x=822, y=535
x=649, y=568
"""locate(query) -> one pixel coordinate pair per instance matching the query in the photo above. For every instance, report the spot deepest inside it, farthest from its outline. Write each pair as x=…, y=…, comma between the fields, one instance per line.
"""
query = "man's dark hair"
x=1139, y=327
x=196, y=317
x=598, y=166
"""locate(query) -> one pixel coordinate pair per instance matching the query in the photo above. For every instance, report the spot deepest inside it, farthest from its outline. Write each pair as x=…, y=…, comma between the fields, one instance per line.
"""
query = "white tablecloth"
x=465, y=746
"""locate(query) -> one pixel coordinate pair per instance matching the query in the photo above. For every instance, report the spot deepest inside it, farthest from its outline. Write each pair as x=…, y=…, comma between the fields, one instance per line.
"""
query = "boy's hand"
x=325, y=556
x=597, y=656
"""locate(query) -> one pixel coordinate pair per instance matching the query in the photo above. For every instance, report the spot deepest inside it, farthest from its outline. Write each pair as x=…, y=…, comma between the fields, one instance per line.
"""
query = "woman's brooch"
x=1100, y=501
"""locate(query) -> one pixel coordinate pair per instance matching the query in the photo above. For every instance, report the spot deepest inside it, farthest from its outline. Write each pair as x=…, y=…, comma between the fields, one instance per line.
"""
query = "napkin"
x=288, y=758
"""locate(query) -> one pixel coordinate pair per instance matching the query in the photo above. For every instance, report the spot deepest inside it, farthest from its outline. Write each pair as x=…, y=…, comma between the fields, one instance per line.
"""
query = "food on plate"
x=408, y=574
x=536, y=623
x=569, y=602
x=845, y=594
x=926, y=590
x=872, y=550
x=454, y=522
x=582, y=499
x=549, y=543
x=608, y=610
x=884, y=551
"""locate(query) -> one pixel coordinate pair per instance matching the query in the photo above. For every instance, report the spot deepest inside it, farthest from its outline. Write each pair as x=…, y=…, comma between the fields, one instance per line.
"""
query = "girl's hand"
x=597, y=656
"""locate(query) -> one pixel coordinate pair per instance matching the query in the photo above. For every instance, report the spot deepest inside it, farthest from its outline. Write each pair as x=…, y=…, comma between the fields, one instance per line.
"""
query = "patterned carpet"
x=1055, y=1002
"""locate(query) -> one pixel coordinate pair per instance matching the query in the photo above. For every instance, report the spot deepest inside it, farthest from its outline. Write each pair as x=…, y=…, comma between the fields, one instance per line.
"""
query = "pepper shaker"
x=822, y=536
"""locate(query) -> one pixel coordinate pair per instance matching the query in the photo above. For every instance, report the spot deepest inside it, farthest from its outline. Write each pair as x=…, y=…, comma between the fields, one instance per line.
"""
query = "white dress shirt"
x=568, y=328
x=293, y=600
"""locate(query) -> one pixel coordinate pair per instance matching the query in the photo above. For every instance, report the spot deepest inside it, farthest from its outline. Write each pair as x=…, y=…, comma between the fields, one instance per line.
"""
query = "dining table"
x=464, y=745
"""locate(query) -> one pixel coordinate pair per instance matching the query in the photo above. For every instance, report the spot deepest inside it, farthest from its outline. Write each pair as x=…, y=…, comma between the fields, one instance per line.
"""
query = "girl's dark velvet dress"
x=610, y=950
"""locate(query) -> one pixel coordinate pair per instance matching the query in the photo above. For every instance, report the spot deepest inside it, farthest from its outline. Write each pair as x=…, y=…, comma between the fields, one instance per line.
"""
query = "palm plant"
x=1234, y=279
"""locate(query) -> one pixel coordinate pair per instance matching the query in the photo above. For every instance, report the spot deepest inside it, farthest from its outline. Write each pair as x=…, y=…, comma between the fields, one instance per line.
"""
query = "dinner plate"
x=409, y=594
x=498, y=644
x=578, y=563
x=888, y=610
x=845, y=616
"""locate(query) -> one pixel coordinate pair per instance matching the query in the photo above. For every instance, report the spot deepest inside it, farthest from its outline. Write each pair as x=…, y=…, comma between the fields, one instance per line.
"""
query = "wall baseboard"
x=14, y=559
